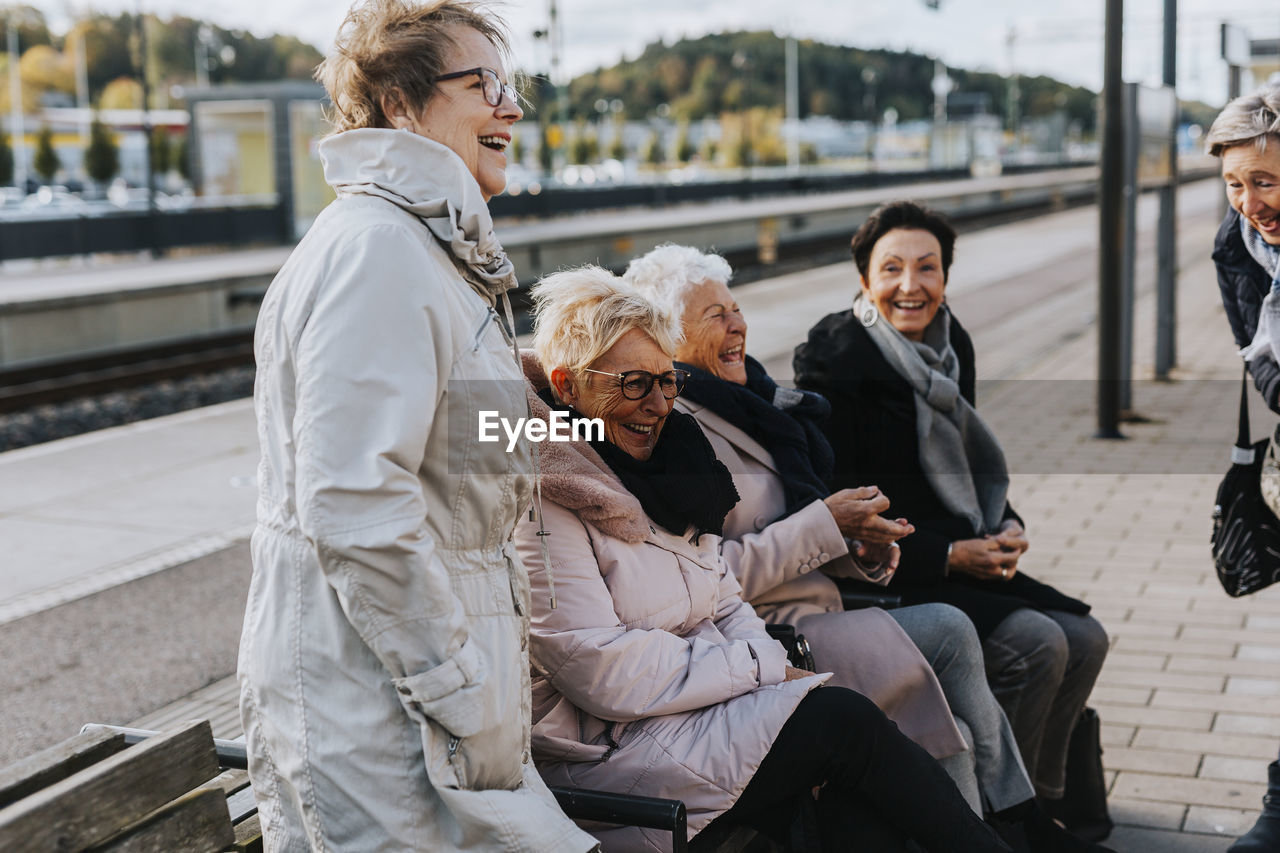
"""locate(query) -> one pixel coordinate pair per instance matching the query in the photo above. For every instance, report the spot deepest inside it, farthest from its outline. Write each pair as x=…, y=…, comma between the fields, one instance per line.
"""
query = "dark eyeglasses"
x=636, y=384
x=491, y=86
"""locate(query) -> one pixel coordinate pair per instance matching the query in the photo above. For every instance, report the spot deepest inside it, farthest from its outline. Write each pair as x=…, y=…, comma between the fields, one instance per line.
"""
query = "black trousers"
x=878, y=787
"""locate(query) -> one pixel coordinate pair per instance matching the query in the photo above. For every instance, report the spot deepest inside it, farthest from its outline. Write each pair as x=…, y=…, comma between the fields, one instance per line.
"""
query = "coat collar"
x=734, y=435
x=428, y=180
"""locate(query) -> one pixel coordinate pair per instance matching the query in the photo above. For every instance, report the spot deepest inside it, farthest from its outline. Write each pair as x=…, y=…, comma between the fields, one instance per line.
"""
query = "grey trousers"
x=1041, y=667
x=990, y=773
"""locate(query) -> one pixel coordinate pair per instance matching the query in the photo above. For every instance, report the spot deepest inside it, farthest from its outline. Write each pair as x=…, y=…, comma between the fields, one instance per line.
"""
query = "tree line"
x=111, y=45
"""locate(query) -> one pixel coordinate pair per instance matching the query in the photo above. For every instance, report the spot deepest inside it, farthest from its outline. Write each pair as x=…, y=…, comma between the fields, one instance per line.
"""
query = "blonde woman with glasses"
x=383, y=672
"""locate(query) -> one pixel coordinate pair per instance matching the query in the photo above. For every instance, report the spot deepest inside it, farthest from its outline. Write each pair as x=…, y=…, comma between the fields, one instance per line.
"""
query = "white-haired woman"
x=653, y=676
x=1246, y=252
x=384, y=686
x=789, y=531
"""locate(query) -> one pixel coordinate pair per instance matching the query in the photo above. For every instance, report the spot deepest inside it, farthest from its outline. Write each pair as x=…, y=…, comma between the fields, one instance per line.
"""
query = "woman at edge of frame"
x=1246, y=253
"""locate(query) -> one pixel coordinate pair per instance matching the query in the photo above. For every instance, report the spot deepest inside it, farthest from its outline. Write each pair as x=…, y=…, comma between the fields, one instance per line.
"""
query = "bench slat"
x=31, y=774
x=249, y=835
x=194, y=823
x=90, y=806
x=230, y=781
x=242, y=805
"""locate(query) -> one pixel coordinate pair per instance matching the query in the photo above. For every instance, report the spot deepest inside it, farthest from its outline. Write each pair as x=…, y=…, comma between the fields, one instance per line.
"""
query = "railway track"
x=91, y=375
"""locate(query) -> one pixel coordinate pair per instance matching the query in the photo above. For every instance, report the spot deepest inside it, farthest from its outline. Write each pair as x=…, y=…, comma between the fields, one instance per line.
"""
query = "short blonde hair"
x=579, y=314
x=394, y=50
x=1250, y=118
x=671, y=271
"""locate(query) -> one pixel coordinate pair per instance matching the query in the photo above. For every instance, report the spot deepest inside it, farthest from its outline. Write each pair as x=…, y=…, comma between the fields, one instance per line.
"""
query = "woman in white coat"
x=652, y=675
x=384, y=682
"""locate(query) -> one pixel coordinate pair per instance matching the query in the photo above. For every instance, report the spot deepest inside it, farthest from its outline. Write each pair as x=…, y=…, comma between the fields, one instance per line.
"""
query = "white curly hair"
x=672, y=271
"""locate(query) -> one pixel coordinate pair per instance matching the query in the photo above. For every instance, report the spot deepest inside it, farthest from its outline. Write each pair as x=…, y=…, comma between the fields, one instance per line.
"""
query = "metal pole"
x=17, y=133
x=82, y=87
x=1130, y=254
x=152, y=236
x=203, y=34
x=1228, y=48
x=1167, y=228
x=1110, y=225
x=793, y=106
x=1014, y=94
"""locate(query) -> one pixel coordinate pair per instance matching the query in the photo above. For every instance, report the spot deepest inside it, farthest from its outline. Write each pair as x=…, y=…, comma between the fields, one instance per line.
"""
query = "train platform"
x=53, y=309
x=104, y=617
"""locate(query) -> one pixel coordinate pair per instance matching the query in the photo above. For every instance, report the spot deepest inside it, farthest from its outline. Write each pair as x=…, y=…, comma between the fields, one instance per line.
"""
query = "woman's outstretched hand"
x=876, y=561
x=857, y=514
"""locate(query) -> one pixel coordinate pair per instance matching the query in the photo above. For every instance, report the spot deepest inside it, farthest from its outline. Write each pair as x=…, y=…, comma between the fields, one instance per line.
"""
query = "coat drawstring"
x=536, y=509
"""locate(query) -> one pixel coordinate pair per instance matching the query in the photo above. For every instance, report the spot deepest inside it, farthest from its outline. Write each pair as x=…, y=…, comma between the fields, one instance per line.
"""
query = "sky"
x=974, y=34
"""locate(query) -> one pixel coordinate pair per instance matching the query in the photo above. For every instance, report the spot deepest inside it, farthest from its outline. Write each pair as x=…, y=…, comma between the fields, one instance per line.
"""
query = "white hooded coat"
x=383, y=665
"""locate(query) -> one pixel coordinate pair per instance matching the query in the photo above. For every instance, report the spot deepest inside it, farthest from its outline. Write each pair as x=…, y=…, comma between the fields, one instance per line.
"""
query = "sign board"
x=1157, y=118
x=1235, y=45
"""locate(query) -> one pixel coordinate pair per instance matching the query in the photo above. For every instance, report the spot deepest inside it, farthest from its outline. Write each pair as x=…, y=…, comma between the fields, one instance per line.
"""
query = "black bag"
x=1246, y=533
x=1083, y=807
x=799, y=654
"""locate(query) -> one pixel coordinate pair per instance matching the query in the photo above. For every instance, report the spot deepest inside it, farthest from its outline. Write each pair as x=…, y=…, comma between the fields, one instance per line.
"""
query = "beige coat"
x=652, y=676
x=383, y=672
x=778, y=562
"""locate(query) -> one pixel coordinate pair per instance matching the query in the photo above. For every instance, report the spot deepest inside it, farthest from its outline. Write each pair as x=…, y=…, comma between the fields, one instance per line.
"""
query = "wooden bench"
x=133, y=791
x=105, y=790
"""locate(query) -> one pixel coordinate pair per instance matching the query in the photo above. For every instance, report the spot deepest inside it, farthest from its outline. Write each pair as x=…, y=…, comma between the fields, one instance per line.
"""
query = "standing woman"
x=384, y=686
x=899, y=372
x=1246, y=136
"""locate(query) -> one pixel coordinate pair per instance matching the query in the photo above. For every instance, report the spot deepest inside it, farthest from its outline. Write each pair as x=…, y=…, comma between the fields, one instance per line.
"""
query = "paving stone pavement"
x=1190, y=694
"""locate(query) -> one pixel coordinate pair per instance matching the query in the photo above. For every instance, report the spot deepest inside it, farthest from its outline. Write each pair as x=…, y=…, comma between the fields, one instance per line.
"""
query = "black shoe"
x=1263, y=838
x=1265, y=835
x=1045, y=835
x=1090, y=827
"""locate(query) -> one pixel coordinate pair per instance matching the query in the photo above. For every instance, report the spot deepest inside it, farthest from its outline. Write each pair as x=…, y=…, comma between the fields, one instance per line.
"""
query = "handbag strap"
x=1242, y=452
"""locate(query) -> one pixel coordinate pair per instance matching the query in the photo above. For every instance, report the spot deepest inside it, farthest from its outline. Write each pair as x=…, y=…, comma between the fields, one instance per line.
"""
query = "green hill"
x=729, y=72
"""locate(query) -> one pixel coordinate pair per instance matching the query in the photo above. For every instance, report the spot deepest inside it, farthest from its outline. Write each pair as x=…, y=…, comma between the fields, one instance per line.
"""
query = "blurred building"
x=256, y=141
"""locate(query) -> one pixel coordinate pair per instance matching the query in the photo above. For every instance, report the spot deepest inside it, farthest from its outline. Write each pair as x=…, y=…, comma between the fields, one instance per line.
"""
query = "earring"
x=869, y=316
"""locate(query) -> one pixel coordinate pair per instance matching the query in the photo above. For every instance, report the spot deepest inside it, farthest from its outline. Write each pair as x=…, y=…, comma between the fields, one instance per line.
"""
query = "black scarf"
x=785, y=422
x=682, y=484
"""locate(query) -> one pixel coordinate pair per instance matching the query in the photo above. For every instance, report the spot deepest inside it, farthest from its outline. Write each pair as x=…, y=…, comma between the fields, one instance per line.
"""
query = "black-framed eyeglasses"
x=636, y=384
x=491, y=86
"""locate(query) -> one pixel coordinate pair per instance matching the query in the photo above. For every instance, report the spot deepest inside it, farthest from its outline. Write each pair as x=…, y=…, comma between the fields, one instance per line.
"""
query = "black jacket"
x=1244, y=284
x=873, y=431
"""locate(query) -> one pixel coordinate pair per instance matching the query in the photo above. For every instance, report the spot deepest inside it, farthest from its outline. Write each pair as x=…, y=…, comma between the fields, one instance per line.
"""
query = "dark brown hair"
x=394, y=50
x=903, y=214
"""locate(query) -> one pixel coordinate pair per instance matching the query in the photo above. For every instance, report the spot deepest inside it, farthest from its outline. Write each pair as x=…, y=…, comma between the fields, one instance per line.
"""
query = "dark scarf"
x=681, y=485
x=784, y=420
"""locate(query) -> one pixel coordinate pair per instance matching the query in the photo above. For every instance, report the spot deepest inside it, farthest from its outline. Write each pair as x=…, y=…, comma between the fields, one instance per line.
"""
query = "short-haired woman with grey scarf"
x=1246, y=252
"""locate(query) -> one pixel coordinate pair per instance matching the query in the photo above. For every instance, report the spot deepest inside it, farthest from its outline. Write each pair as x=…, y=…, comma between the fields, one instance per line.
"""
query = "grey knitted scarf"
x=1267, y=335
x=959, y=454
x=1267, y=255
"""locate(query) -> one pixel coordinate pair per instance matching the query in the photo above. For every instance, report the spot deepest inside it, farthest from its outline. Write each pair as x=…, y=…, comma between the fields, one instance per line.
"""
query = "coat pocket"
x=463, y=738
